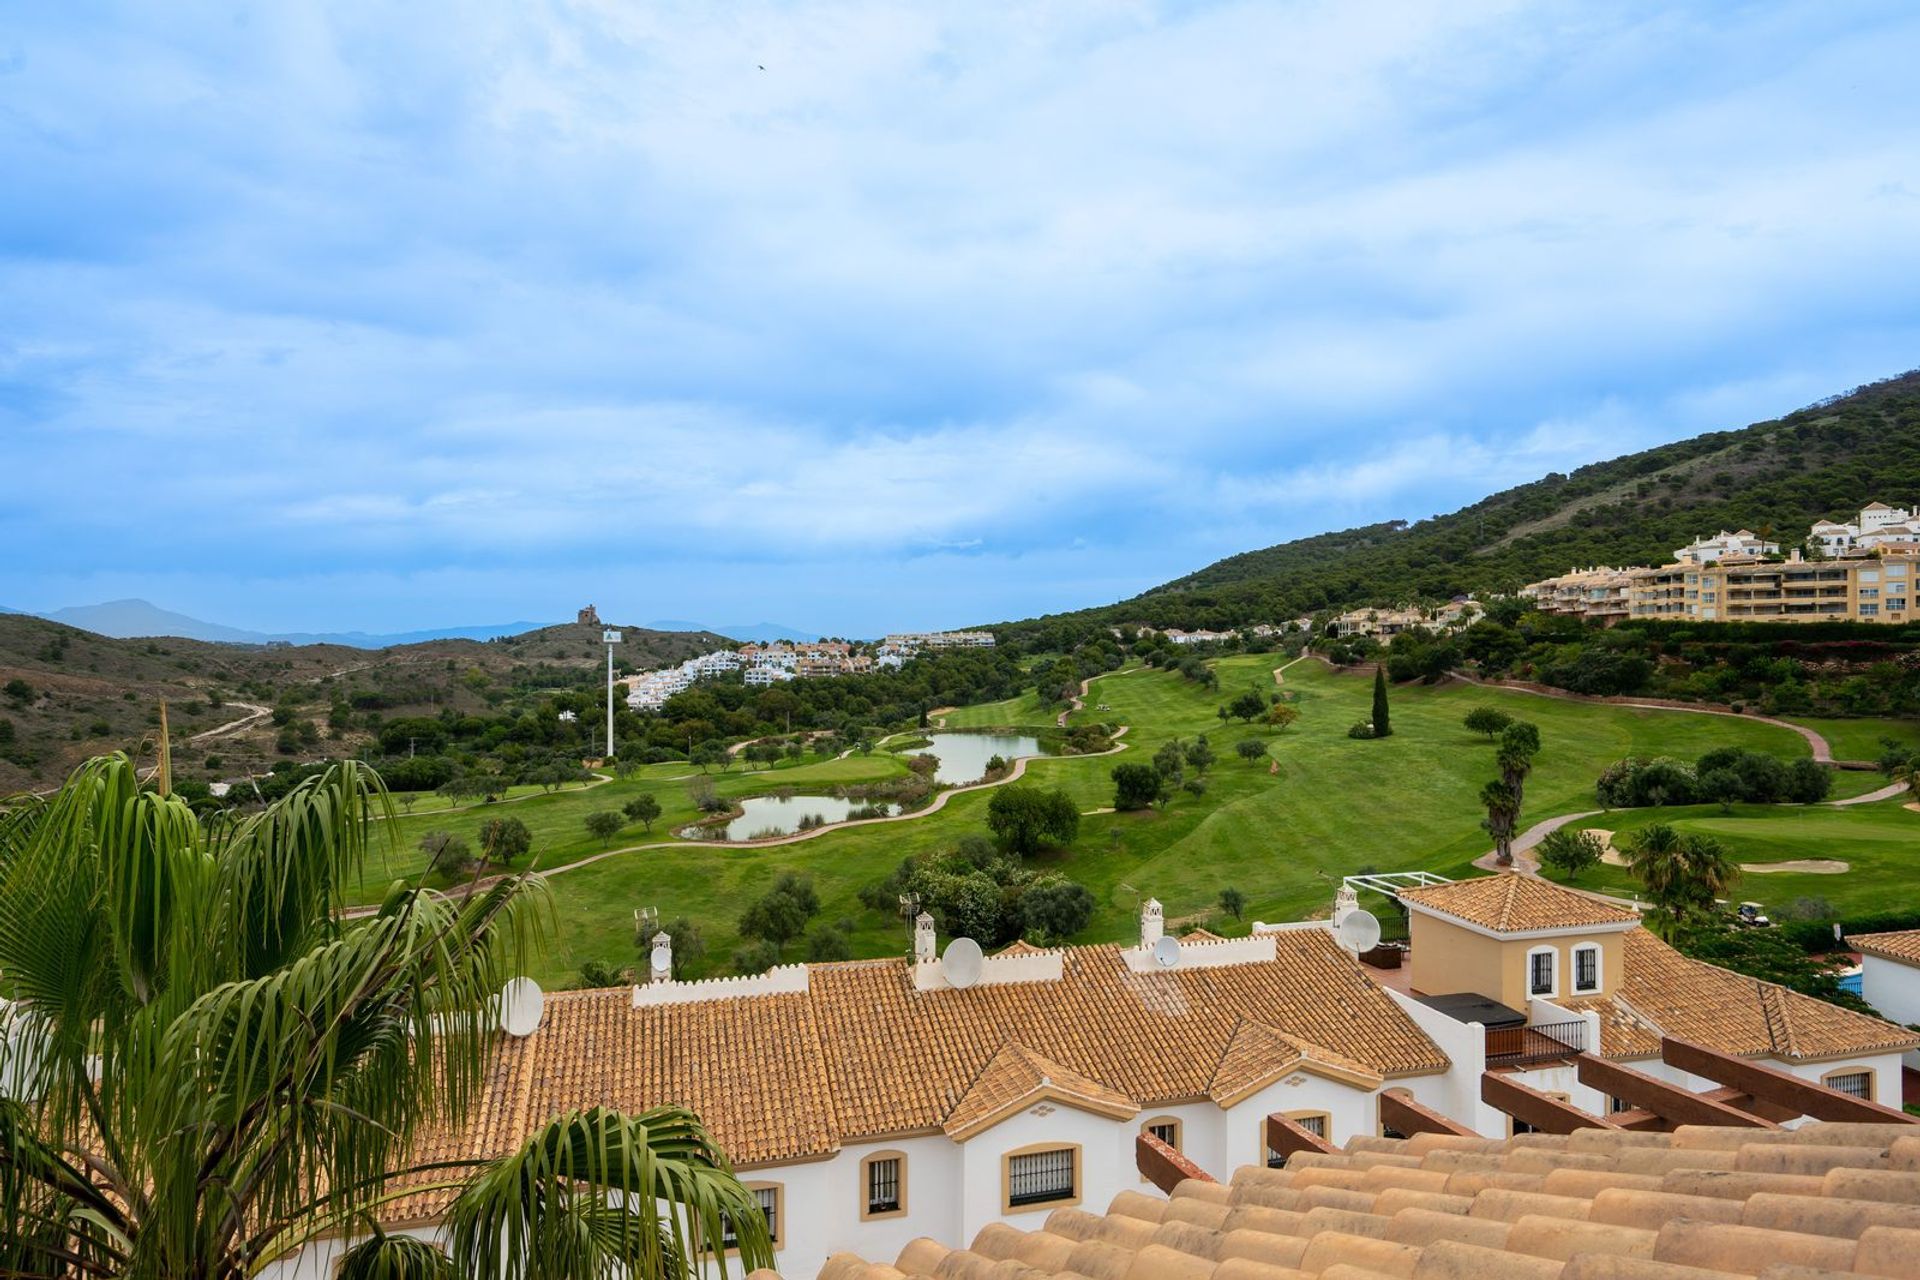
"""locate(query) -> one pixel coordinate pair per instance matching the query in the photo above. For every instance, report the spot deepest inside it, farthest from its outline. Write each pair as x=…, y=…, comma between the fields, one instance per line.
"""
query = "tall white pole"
x=609, y=700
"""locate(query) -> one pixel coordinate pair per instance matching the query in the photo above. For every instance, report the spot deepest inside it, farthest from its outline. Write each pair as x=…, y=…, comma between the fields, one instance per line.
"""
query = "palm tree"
x=1681, y=873
x=1503, y=816
x=205, y=1066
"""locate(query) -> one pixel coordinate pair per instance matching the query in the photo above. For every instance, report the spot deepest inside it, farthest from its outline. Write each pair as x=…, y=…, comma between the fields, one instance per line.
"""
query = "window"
x=883, y=1185
x=1540, y=971
x=769, y=1196
x=1616, y=1105
x=1314, y=1122
x=1855, y=1083
x=1869, y=610
x=1869, y=593
x=1049, y=1175
x=1586, y=968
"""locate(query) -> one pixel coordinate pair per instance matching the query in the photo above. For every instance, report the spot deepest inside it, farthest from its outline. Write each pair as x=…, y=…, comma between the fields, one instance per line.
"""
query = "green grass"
x=1877, y=840
x=1860, y=739
x=1337, y=806
x=1025, y=710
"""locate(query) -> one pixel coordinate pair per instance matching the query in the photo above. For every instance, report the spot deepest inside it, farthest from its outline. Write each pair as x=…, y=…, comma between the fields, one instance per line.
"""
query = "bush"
x=1361, y=730
x=1487, y=720
x=1056, y=908
x=1250, y=749
x=1635, y=784
x=1026, y=820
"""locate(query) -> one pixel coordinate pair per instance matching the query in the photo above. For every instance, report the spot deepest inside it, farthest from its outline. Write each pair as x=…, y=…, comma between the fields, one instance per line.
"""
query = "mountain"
x=129, y=619
x=756, y=631
x=1776, y=478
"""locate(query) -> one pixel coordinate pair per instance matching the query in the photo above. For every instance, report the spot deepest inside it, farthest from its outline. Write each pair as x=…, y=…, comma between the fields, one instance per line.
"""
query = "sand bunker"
x=1806, y=866
x=1608, y=854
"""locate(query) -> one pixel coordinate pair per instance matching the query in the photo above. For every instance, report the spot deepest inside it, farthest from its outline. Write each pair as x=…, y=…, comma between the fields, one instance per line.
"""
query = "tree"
x=643, y=808
x=781, y=914
x=1233, y=902
x=1282, y=714
x=226, y=1070
x=1200, y=754
x=1247, y=706
x=689, y=947
x=1171, y=761
x=1135, y=786
x=1487, y=720
x=1503, y=815
x=1056, y=908
x=504, y=840
x=1026, y=820
x=603, y=825
x=1381, y=725
x=1519, y=743
x=1681, y=874
x=1571, y=852
x=831, y=943
x=1252, y=750
x=446, y=852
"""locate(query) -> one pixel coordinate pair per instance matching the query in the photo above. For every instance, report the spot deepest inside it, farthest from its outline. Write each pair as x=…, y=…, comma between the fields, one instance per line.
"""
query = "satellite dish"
x=521, y=1004
x=1166, y=952
x=961, y=962
x=662, y=961
x=1358, y=932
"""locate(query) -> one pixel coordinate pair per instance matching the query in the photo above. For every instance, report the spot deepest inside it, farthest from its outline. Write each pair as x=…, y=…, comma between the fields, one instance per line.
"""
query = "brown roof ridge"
x=1258, y=1052
x=1514, y=902
x=1015, y=1074
x=1902, y=946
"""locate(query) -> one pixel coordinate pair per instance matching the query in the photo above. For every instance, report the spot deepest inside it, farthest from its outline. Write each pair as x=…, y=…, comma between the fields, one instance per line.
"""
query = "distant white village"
x=764, y=665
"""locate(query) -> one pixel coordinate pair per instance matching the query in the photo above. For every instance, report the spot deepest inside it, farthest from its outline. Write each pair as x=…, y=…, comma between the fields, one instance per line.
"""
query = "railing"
x=1542, y=1042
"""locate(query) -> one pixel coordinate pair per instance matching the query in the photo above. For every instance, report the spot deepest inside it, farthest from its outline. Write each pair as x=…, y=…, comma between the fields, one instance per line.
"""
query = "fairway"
x=1335, y=806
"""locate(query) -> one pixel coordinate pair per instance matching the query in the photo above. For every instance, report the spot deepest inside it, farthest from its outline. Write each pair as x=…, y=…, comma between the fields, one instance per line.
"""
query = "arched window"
x=1543, y=971
x=1586, y=968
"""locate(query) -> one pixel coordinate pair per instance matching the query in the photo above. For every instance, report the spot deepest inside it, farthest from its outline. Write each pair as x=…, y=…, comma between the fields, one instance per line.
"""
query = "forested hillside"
x=1773, y=477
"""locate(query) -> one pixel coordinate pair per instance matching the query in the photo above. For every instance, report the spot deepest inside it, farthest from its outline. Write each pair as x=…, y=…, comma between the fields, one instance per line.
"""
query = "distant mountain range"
x=130, y=619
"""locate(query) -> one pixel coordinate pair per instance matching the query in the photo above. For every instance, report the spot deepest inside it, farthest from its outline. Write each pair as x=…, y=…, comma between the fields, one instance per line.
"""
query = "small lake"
x=963, y=756
x=764, y=814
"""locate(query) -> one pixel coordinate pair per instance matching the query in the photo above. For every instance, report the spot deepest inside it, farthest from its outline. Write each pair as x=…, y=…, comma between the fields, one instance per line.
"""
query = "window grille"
x=769, y=1201
x=1586, y=969
x=1855, y=1084
x=883, y=1185
x=1040, y=1176
x=1540, y=966
x=1168, y=1131
x=1315, y=1125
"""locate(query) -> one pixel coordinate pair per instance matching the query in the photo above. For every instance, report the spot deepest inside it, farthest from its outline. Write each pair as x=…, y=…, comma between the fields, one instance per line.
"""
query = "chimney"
x=923, y=939
x=660, y=961
x=1153, y=923
x=1345, y=903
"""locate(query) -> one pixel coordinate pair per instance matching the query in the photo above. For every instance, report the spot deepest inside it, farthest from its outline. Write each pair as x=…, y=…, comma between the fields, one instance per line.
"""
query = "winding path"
x=255, y=714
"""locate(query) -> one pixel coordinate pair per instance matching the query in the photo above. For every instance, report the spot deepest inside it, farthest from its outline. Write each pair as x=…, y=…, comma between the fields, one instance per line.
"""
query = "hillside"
x=1822, y=461
x=233, y=709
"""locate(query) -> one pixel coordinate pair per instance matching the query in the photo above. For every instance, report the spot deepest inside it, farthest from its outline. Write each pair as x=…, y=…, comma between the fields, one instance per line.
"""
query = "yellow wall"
x=1448, y=959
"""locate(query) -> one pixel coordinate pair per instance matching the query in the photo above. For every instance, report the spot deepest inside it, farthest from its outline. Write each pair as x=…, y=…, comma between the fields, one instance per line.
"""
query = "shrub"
x=1361, y=730
x=1487, y=720
x=1571, y=852
x=1135, y=786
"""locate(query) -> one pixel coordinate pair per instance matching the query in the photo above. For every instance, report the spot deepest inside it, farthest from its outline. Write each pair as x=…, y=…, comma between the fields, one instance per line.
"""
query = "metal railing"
x=1541, y=1042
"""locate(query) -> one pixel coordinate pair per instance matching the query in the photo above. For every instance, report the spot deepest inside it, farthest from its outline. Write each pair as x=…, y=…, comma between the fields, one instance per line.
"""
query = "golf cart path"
x=1014, y=774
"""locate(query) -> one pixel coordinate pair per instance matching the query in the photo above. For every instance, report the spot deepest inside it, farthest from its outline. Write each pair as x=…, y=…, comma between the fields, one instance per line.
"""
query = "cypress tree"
x=1381, y=728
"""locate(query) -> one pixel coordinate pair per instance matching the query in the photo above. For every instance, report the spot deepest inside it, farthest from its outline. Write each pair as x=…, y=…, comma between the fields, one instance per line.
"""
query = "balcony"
x=1539, y=1043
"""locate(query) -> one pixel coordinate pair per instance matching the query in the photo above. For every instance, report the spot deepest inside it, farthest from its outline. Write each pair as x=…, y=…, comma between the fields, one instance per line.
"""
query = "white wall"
x=1455, y=1094
x=1892, y=988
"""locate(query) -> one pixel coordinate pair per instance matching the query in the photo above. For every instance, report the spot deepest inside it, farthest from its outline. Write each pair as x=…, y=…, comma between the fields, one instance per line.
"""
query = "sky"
x=859, y=317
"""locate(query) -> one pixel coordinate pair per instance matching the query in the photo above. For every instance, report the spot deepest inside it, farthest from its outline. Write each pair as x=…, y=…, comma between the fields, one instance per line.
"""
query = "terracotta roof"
x=1513, y=903
x=1017, y=1075
x=1258, y=1054
x=1824, y=1200
x=1623, y=1034
x=1021, y=947
x=1693, y=1000
x=862, y=1054
x=1903, y=946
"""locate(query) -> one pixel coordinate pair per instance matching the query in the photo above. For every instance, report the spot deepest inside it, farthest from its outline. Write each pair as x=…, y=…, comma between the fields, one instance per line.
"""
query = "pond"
x=963, y=756
x=767, y=814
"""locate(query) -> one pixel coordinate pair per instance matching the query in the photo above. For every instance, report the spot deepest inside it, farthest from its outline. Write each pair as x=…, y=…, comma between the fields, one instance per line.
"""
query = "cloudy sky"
x=857, y=316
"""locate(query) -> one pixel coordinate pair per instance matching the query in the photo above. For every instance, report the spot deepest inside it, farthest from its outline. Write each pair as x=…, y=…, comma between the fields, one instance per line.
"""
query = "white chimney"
x=660, y=962
x=1345, y=903
x=923, y=939
x=1153, y=922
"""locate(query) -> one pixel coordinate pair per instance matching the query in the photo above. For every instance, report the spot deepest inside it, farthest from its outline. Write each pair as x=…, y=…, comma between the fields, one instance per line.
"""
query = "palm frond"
x=595, y=1192
x=384, y=1257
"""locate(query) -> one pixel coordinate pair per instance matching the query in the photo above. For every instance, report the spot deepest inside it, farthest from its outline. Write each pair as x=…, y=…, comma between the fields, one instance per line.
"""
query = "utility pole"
x=611, y=638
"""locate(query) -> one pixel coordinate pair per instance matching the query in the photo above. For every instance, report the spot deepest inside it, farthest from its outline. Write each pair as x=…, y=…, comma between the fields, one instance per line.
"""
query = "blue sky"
x=342, y=316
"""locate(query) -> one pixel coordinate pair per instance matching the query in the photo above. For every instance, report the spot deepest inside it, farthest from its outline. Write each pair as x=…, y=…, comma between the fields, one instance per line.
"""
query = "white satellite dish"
x=661, y=961
x=1358, y=932
x=1166, y=952
x=961, y=962
x=521, y=1004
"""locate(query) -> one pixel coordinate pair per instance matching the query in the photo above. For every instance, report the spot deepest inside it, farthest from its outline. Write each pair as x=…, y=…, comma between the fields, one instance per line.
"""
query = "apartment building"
x=1388, y=622
x=1742, y=543
x=910, y=640
x=1601, y=592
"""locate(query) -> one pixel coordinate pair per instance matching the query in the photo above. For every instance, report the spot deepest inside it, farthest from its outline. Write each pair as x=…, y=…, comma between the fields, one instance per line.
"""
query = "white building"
x=1890, y=976
x=1741, y=543
x=911, y=640
x=1877, y=525
x=870, y=1103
